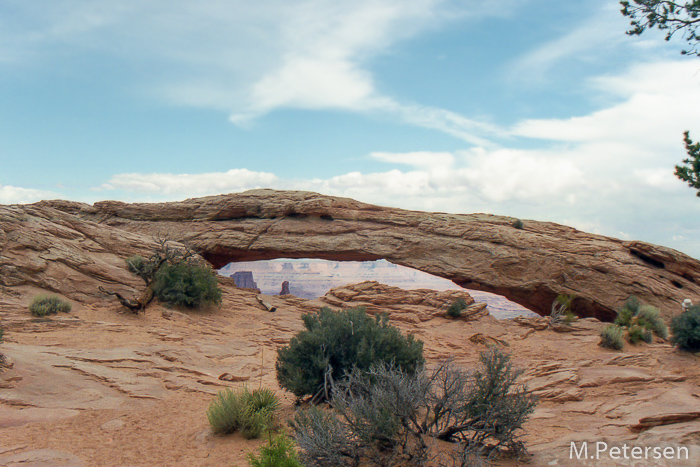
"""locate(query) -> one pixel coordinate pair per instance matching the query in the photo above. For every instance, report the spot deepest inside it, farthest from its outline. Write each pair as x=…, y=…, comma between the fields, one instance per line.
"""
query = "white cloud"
x=247, y=58
x=177, y=185
x=17, y=195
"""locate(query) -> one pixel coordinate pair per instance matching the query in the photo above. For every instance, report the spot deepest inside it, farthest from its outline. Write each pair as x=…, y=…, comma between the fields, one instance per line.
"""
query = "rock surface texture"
x=529, y=266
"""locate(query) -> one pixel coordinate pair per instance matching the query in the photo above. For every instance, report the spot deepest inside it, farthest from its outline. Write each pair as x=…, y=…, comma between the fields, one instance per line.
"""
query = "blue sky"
x=538, y=109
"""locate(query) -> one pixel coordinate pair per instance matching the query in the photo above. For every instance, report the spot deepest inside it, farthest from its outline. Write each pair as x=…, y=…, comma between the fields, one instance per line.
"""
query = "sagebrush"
x=48, y=305
x=386, y=416
x=335, y=342
x=456, y=308
x=612, y=337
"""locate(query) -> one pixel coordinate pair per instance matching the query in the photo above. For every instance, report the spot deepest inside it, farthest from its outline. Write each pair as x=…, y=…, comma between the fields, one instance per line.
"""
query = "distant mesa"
x=244, y=279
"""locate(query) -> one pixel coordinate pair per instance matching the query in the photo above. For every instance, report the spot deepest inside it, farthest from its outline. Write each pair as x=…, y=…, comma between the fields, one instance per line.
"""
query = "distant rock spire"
x=285, y=288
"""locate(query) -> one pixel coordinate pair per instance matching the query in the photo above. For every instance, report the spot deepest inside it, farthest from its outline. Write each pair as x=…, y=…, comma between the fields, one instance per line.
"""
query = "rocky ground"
x=100, y=387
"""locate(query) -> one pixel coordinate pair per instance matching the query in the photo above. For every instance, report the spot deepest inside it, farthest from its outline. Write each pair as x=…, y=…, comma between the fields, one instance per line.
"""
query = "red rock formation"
x=530, y=266
x=285, y=288
x=244, y=279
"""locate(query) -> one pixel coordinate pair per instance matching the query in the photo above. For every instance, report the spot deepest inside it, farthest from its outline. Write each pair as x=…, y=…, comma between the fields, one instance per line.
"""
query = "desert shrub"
x=385, y=415
x=624, y=317
x=250, y=412
x=456, y=308
x=685, y=329
x=640, y=321
x=649, y=317
x=43, y=306
x=186, y=284
x=336, y=341
x=562, y=310
x=323, y=439
x=638, y=333
x=279, y=452
x=611, y=337
x=518, y=224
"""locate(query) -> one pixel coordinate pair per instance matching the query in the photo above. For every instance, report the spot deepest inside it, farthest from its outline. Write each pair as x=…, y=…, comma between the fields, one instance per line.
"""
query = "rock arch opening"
x=311, y=278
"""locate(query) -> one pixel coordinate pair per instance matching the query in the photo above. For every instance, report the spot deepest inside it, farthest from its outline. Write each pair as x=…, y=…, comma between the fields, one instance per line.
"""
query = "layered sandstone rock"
x=530, y=266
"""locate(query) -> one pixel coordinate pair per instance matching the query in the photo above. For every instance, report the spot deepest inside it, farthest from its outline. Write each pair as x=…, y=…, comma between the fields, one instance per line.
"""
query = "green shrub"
x=518, y=224
x=384, y=415
x=336, y=341
x=633, y=303
x=649, y=317
x=624, y=317
x=185, y=284
x=250, y=412
x=43, y=306
x=279, y=452
x=456, y=308
x=611, y=337
x=685, y=329
x=638, y=333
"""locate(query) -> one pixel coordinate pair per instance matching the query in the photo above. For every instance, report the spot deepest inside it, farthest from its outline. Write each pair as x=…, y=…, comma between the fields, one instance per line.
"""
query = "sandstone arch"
x=529, y=266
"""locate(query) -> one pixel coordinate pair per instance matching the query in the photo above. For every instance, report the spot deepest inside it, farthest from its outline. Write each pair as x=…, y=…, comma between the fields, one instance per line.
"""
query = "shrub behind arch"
x=185, y=284
x=342, y=340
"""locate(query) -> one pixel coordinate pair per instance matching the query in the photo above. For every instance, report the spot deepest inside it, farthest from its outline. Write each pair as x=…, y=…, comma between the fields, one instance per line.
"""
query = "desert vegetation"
x=250, y=412
x=175, y=276
x=49, y=305
x=635, y=322
x=279, y=452
x=456, y=308
x=335, y=342
x=685, y=329
x=562, y=311
x=385, y=416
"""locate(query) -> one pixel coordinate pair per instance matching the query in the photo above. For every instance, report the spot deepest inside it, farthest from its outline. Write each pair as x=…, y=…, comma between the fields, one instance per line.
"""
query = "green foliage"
x=633, y=303
x=640, y=321
x=185, y=284
x=336, y=341
x=456, y=308
x=518, y=224
x=624, y=317
x=649, y=317
x=611, y=337
x=689, y=172
x=638, y=333
x=279, y=452
x=43, y=306
x=250, y=412
x=685, y=329
x=384, y=415
x=668, y=16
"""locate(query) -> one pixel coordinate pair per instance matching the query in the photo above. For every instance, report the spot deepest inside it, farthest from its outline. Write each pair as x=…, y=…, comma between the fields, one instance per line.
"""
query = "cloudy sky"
x=537, y=109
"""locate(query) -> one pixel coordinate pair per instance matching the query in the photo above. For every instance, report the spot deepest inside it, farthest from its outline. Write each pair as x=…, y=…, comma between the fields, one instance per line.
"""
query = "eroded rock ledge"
x=530, y=266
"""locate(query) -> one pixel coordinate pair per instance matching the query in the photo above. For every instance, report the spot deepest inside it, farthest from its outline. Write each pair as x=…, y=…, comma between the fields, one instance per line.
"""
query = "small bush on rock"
x=685, y=329
x=279, y=452
x=186, y=284
x=640, y=322
x=43, y=306
x=336, y=341
x=518, y=224
x=250, y=412
x=456, y=308
x=611, y=337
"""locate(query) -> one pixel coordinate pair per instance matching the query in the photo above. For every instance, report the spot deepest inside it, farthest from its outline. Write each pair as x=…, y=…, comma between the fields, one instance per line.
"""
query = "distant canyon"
x=310, y=278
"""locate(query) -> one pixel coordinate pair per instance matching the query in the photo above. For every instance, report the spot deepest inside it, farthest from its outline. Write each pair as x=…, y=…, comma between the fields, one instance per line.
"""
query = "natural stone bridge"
x=530, y=266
